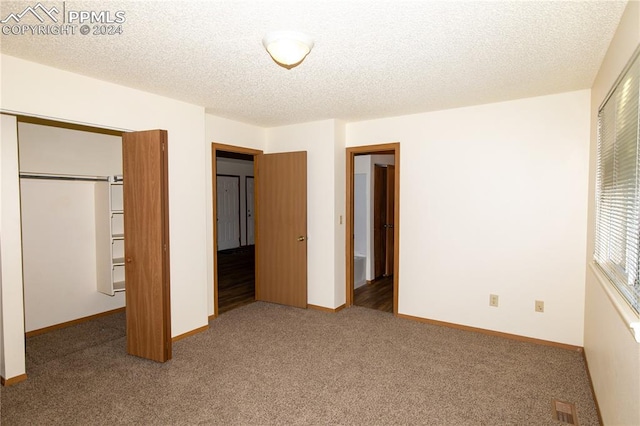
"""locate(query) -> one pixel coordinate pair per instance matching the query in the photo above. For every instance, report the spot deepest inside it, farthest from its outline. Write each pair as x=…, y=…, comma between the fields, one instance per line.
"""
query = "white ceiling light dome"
x=287, y=48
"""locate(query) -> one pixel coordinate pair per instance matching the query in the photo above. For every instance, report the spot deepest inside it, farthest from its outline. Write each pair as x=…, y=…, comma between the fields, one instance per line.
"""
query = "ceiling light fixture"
x=288, y=48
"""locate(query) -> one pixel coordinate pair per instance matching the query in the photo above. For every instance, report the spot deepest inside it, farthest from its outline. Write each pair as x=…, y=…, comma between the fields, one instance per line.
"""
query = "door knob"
x=301, y=238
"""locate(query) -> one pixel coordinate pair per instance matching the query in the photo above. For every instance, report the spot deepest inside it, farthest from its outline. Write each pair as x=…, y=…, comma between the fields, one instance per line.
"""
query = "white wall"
x=46, y=149
x=2, y=343
x=34, y=89
x=612, y=352
x=58, y=223
x=59, y=253
x=241, y=168
x=339, y=207
x=228, y=132
x=493, y=199
x=325, y=173
x=11, y=296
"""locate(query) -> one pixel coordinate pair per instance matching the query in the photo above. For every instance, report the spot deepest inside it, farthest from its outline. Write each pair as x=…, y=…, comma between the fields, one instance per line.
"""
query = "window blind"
x=617, y=187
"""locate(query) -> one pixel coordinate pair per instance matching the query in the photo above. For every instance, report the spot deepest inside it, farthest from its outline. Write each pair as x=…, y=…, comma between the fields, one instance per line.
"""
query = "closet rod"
x=63, y=177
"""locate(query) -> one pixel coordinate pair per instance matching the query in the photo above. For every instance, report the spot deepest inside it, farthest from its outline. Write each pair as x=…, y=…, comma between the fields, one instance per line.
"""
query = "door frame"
x=214, y=204
x=387, y=148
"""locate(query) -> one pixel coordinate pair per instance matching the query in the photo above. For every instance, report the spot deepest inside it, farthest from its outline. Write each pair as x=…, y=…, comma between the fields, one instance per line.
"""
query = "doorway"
x=61, y=172
x=280, y=191
x=233, y=170
x=372, y=260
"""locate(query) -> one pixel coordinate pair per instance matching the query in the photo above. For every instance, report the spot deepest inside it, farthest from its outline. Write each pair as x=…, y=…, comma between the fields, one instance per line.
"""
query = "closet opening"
x=70, y=200
x=233, y=172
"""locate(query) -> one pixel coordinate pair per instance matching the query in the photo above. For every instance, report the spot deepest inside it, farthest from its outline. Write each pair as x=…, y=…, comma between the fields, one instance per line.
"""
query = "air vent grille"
x=565, y=412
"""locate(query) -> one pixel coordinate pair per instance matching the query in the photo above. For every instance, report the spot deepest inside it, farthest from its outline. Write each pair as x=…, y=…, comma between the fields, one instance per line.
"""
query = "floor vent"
x=565, y=412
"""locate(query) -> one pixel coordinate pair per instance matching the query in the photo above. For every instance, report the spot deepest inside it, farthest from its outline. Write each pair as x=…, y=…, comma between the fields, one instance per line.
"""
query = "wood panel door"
x=389, y=221
x=281, y=228
x=146, y=236
x=379, y=220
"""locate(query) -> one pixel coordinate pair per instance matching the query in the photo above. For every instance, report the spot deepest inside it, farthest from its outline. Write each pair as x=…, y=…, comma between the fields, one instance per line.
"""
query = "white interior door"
x=250, y=224
x=228, y=189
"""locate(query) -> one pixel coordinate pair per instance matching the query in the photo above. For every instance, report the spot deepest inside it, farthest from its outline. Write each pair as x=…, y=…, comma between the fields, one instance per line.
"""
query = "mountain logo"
x=39, y=11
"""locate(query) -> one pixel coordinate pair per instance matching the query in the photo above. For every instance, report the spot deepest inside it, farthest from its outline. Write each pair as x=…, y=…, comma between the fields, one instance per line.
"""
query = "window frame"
x=617, y=236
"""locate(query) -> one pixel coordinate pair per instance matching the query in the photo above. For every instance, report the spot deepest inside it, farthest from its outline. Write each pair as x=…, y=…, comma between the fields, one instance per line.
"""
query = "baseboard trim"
x=72, y=322
x=593, y=391
x=212, y=317
x=13, y=380
x=323, y=309
x=494, y=333
x=190, y=333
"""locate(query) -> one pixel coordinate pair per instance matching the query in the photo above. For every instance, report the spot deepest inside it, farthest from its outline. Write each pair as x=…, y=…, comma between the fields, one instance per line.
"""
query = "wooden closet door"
x=146, y=237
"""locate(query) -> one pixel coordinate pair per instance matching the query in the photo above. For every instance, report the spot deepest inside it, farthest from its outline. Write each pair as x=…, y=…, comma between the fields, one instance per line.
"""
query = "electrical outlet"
x=493, y=300
x=539, y=306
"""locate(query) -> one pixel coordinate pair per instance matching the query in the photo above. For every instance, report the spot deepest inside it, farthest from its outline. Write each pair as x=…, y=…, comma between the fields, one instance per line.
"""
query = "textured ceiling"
x=371, y=58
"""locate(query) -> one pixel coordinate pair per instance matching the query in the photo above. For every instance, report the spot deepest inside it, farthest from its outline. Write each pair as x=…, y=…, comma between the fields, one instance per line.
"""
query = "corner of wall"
x=12, y=307
x=339, y=212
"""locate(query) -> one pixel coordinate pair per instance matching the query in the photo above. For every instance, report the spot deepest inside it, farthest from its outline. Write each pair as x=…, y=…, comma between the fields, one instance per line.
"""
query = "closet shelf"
x=110, y=257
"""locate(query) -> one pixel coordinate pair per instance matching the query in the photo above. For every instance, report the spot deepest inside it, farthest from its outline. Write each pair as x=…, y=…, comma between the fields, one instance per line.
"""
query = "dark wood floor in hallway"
x=377, y=295
x=236, y=283
x=236, y=278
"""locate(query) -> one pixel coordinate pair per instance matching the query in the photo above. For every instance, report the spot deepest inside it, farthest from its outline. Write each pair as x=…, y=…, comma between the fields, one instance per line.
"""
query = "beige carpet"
x=268, y=364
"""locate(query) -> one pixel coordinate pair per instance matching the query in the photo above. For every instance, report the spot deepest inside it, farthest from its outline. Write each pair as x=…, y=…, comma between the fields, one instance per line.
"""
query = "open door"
x=379, y=221
x=146, y=244
x=389, y=225
x=281, y=228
